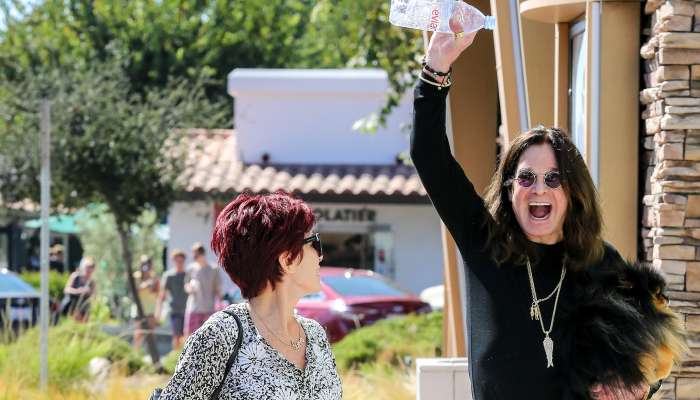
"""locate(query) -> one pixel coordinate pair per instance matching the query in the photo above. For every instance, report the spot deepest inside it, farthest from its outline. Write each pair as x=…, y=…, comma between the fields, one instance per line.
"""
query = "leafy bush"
x=57, y=281
x=394, y=341
x=71, y=347
x=169, y=362
x=378, y=348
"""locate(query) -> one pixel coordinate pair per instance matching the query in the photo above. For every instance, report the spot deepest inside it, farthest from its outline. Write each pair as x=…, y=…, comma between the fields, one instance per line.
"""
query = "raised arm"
x=453, y=195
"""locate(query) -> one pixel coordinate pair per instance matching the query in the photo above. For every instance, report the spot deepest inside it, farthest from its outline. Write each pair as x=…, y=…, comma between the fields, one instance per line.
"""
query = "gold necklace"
x=294, y=344
x=548, y=343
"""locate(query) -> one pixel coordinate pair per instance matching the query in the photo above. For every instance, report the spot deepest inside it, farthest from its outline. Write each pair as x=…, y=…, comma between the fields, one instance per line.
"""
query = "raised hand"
x=445, y=48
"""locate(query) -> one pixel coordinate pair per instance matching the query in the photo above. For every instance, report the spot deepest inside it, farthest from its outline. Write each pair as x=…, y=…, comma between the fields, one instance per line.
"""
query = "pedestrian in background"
x=203, y=286
x=148, y=287
x=79, y=291
x=172, y=286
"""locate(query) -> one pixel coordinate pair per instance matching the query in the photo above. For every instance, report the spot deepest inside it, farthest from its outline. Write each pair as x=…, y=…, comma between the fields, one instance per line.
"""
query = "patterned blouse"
x=260, y=371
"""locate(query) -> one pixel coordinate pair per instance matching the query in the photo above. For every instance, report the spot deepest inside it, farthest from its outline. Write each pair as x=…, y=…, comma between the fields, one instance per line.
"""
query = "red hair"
x=252, y=231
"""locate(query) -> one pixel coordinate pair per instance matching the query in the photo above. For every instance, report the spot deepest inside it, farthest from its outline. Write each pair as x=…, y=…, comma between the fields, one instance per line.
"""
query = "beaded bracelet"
x=430, y=80
x=434, y=72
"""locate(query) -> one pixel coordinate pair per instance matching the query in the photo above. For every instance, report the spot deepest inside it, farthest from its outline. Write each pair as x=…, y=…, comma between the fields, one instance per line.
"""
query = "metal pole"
x=524, y=114
x=45, y=203
x=594, y=148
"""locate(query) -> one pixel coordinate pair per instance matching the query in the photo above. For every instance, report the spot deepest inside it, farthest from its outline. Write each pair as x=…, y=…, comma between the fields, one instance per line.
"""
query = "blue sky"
x=13, y=9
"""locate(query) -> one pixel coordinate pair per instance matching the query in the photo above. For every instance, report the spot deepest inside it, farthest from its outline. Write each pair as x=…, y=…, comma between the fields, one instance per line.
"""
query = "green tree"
x=99, y=237
x=183, y=38
x=160, y=39
x=357, y=33
x=109, y=145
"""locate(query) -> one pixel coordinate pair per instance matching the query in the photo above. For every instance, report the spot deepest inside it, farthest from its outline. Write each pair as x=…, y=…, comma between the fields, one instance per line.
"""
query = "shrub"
x=381, y=347
x=57, y=282
x=71, y=347
x=169, y=362
x=394, y=342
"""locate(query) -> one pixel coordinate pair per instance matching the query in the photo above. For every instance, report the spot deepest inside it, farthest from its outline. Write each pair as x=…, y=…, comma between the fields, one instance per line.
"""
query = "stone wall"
x=671, y=162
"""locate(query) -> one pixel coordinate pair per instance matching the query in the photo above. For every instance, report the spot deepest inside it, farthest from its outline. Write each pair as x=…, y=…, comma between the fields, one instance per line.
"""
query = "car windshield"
x=362, y=285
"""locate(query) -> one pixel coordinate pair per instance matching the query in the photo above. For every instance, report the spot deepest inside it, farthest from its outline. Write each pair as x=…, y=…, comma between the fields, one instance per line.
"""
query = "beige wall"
x=619, y=111
x=619, y=123
x=538, y=49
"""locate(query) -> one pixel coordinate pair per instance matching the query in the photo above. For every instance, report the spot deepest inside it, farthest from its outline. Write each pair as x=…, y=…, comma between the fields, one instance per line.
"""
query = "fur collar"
x=622, y=328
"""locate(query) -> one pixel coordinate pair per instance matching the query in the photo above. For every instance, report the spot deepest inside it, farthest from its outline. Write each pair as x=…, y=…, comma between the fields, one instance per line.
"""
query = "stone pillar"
x=671, y=166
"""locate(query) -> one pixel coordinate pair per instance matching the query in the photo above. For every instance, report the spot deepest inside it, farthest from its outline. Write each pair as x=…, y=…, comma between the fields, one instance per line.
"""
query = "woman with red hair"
x=267, y=246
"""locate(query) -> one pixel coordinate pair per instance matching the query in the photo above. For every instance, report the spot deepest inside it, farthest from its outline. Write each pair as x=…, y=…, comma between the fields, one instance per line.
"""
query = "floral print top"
x=260, y=371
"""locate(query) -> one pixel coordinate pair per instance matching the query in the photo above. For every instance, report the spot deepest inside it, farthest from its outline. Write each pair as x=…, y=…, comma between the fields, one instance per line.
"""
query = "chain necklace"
x=294, y=344
x=536, y=313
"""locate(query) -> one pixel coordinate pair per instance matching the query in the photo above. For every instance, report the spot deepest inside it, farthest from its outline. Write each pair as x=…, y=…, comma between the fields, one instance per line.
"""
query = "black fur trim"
x=614, y=324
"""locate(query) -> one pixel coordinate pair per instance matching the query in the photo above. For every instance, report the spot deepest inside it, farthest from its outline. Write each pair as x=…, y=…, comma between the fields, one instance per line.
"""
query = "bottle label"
x=434, y=20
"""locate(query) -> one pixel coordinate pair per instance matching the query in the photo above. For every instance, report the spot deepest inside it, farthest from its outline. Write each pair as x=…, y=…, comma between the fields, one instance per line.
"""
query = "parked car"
x=352, y=298
x=435, y=296
x=19, y=302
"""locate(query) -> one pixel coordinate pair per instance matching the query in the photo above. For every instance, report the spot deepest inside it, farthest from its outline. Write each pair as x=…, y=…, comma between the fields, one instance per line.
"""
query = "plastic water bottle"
x=435, y=15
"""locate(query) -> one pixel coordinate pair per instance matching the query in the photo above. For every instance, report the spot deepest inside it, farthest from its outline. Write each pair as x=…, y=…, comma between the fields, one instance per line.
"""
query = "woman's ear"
x=286, y=262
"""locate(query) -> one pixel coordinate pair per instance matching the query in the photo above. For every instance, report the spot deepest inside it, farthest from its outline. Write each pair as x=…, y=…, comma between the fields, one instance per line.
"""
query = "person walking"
x=172, y=286
x=267, y=245
x=79, y=291
x=148, y=288
x=203, y=287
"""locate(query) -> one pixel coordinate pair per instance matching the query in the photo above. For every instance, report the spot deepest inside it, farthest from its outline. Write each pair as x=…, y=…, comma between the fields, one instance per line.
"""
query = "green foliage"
x=57, y=282
x=109, y=145
x=100, y=310
x=382, y=346
x=186, y=38
x=99, y=237
x=71, y=347
x=162, y=38
x=391, y=342
x=357, y=33
x=169, y=362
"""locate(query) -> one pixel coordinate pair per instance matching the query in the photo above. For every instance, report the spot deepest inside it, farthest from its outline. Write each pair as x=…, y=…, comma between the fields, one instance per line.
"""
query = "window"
x=359, y=285
x=577, y=82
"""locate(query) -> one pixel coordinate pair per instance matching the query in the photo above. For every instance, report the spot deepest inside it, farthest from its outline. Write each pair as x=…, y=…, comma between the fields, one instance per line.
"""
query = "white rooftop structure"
x=306, y=116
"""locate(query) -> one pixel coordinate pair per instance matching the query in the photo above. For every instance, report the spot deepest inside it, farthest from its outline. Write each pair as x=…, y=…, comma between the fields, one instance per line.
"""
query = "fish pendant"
x=535, y=312
x=548, y=344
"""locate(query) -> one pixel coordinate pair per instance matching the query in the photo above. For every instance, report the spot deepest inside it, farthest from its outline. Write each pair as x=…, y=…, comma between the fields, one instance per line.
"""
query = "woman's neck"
x=276, y=309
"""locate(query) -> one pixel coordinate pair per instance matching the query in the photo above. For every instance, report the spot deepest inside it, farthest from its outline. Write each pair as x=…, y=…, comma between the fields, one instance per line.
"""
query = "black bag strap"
x=231, y=359
x=233, y=356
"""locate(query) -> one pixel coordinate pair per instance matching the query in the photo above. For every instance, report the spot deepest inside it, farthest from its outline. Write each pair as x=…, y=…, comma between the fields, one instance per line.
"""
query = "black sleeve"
x=654, y=388
x=452, y=194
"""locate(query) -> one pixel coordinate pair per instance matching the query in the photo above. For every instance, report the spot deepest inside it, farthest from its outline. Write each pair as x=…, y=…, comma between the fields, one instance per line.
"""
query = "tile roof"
x=213, y=166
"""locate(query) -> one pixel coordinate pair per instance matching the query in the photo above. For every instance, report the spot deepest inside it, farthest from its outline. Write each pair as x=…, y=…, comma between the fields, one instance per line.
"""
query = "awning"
x=59, y=224
x=66, y=223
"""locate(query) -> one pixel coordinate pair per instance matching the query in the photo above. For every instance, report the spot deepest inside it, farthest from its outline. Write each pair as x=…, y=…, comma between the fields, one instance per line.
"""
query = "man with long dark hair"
x=551, y=307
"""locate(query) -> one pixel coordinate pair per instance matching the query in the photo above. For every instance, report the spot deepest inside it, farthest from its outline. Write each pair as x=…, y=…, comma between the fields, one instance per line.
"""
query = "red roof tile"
x=213, y=166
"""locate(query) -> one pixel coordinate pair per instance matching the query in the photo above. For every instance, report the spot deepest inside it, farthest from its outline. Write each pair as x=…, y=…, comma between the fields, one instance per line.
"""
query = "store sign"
x=345, y=215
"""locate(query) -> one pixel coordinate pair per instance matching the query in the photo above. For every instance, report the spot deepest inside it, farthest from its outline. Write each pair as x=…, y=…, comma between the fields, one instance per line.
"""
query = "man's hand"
x=445, y=48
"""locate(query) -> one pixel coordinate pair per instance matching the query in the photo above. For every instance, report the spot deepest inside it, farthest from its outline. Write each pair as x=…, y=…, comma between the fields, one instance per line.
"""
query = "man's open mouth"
x=540, y=210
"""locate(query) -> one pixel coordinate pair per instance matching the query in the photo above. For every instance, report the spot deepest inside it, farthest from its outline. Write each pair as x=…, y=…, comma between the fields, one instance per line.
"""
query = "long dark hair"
x=583, y=222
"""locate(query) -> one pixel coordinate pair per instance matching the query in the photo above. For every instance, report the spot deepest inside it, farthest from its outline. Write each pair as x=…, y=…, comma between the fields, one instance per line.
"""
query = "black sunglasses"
x=315, y=241
x=527, y=178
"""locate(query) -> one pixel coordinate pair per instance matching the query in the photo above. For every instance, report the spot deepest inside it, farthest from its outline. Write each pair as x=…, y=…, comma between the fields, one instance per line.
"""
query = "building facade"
x=294, y=132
